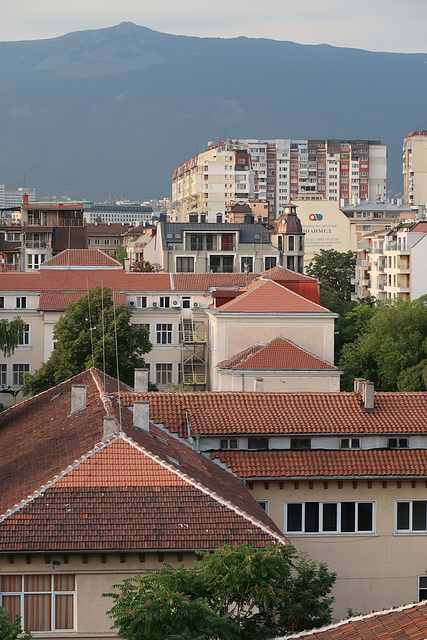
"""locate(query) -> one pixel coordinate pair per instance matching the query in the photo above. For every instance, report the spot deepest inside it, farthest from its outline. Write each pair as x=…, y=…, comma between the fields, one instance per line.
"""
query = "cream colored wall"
x=373, y=571
x=276, y=381
x=93, y=578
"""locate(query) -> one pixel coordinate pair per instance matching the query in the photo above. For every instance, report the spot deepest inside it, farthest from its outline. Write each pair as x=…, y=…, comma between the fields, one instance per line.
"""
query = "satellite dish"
x=211, y=144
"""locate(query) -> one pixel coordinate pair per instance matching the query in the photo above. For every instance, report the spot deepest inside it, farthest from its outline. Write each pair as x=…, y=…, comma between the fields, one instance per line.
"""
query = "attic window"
x=169, y=235
x=350, y=443
x=228, y=443
x=258, y=443
x=300, y=444
x=398, y=443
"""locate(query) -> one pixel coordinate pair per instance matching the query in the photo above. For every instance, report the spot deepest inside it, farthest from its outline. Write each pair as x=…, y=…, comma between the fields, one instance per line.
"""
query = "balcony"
x=362, y=263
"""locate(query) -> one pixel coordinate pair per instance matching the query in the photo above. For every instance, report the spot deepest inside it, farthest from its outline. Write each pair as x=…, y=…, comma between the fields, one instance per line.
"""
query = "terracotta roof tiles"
x=283, y=274
x=280, y=354
x=205, y=281
x=82, y=258
x=58, y=301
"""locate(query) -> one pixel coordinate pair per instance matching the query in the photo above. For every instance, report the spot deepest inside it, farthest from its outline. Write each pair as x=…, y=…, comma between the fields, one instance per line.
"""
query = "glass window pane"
x=37, y=612
x=64, y=582
x=37, y=583
x=10, y=584
x=364, y=516
x=311, y=517
x=419, y=515
x=329, y=517
x=13, y=605
x=403, y=516
x=63, y=612
x=347, y=516
x=294, y=517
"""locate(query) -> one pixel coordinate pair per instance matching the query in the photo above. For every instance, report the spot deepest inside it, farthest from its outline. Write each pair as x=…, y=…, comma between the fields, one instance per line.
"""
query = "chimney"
x=368, y=395
x=358, y=384
x=140, y=380
x=24, y=198
x=259, y=384
x=109, y=426
x=78, y=397
x=141, y=415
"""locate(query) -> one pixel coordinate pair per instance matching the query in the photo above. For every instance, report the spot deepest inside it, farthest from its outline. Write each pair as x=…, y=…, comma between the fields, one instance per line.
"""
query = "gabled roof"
x=363, y=463
x=86, y=258
x=65, y=486
x=232, y=413
x=280, y=354
x=408, y=622
x=279, y=273
x=266, y=296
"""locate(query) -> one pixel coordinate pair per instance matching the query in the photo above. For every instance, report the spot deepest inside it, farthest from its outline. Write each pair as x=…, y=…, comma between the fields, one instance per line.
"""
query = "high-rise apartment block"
x=279, y=171
x=415, y=169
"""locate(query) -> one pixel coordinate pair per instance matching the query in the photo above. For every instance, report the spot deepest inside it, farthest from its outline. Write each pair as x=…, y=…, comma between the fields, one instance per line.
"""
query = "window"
x=164, y=373
x=1, y=302
x=24, y=338
x=350, y=443
x=164, y=333
x=18, y=373
x=116, y=241
x=258, y=443
x=45, y=602
x=398, y=443
x=186, y=303
x=164, y=302
x=21, y=302
x=228, y=443
x=329, y=517
x=97, y=241
x=3, y=374
x=302, y=444
x=107, y=241
x=184, y=265
x=13, y=237
x=422, y=588
x=269, y=262
x=411, y=516
x=247, y=260
x=141, y=302
x=264, y=505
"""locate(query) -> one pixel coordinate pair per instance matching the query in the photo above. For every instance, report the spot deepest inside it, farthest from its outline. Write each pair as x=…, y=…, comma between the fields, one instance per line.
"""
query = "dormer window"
x=260, y=444
x=228, y=443
x=350, y=443
x=398, y=443
x=300, y=444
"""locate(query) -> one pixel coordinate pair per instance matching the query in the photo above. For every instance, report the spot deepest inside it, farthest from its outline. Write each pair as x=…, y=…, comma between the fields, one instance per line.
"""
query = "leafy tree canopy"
x=391, y=341
x=10, y=332
x=235, y=593
x=11, y=630
x=334, y=270
x=84, y=334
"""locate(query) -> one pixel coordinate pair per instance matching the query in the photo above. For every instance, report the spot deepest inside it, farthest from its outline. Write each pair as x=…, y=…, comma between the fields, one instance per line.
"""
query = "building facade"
x=415, y=169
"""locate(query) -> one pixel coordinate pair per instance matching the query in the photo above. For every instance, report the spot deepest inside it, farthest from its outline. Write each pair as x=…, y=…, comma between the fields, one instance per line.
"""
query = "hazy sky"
x=376, y=25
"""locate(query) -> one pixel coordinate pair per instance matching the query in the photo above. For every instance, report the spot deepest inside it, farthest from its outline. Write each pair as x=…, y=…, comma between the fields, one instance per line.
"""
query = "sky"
x=375, y=25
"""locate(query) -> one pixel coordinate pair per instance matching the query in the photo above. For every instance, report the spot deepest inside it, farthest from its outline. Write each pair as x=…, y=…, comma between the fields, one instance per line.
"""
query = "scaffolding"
x=193, y=352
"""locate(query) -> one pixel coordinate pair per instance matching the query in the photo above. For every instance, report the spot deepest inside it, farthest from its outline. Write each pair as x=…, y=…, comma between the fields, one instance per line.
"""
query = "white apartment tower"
x=415, y=169
x=279, y=171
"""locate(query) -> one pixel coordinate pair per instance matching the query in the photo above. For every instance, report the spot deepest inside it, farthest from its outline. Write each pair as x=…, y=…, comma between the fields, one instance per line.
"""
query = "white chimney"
x=140, y=380
x=358, y=384
x=78, y=397
x=108, y=426
x=141, y=415
x=259, y=384
x=368, y=395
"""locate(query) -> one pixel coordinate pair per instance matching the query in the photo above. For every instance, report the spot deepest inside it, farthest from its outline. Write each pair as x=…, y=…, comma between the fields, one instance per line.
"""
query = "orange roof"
x=420, y=227
x=279, y=273
x=204, y=281
x=133, y=490
x=233, y=413
x=82, y=258
x=57, y=301
x=400, y=623
x=362, y=463
x=266, y=296
x=278, y=355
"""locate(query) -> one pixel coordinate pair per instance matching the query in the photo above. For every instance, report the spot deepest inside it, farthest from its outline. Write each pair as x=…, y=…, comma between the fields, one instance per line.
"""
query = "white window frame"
x=422, y=589
x=265, y=504
x=19, y=373
x=25, y=337
x=20, y=302
x=165, y=328
x=160, y=373
x=139, y=302
x=164, y=302
x=338, y=532
x=351, y=443
x=3, y=373
x=410, y=531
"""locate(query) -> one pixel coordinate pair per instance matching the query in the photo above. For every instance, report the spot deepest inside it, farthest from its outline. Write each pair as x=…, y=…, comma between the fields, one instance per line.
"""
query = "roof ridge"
x=201, y=487
x=248, y=291
x=106, y=401
x=76, y=463
x=299, y=295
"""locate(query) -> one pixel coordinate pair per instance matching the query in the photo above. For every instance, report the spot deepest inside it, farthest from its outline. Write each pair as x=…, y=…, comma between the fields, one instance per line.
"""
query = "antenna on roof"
x=103, y=328
x=117, y=362
x=90, y=322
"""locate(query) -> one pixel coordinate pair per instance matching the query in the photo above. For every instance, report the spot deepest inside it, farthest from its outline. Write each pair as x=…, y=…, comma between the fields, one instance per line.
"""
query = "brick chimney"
x=140, y=380
x=78, y=397
x=24, y=198
x=141, y=415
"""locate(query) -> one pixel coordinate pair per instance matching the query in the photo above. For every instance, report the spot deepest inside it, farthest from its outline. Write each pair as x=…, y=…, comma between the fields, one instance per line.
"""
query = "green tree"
x=10, y=332
x=334, y=270
x=392, y=341
x=11, y=630
x=121, y=254
x=86, y=336
x=233, y=593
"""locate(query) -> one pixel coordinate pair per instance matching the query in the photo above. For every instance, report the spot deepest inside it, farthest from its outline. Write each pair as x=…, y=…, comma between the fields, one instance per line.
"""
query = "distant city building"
x=415, y=169
x=124, y=213
x=164, y=205
x=279, y=171
x=13, y=197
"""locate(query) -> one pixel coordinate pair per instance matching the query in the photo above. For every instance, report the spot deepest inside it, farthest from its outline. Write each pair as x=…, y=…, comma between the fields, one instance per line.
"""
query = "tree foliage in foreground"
x=391, y=349
x=334, y=270
x=235, y=593
x=11, y=630
x=10, y=332
x=84, y=337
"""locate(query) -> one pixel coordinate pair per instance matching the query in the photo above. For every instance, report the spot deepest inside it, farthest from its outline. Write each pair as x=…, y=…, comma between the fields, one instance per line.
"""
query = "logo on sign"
x=315, y=216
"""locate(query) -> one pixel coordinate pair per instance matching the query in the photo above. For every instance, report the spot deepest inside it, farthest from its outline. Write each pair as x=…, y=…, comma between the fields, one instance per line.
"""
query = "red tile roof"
x=57, y=301
x=266, y=296
x=135, y=490
x=105, y=229
x=364, y=463
x=82, y=258
x=278, y=355
x=221, y=413
x=420, y=227
x=282, y=274
x=204, y=281
x=401, y=623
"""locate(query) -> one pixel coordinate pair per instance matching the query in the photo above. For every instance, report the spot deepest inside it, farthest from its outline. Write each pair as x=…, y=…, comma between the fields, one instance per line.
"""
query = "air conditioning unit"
x=155, y=304
x=196, y=304
x=175, y=303
x=132, y=303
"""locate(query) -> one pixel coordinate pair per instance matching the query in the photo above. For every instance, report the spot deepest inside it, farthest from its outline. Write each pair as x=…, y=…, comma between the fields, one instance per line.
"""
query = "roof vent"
x=141, y=415
x=78, y=397
x=140, y=380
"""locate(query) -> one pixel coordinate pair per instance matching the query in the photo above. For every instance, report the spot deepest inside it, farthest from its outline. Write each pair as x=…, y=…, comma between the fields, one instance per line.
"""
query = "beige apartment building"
x=415, y=169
